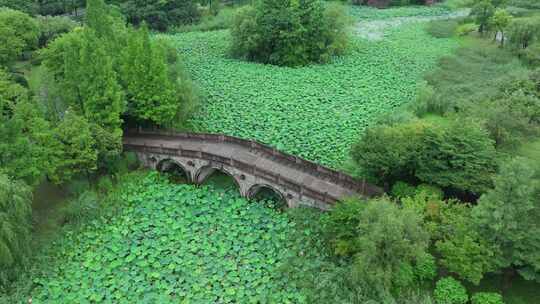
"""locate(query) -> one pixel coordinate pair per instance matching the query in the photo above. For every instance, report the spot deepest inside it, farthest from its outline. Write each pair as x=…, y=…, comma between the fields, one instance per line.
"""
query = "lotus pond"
x=172, y=243
x=317, y=111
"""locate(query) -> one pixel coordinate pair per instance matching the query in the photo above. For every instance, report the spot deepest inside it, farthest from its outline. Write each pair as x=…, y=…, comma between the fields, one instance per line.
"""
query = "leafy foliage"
x=51, y=27
x=15, y=217
x=18, y=32
x=486, y=298
x=509, y=217
x=172, y=243
x=458, y=156
x=385, y=242
x=450, y=291
x=289, y=33
x=316, y=112
x=159, y=15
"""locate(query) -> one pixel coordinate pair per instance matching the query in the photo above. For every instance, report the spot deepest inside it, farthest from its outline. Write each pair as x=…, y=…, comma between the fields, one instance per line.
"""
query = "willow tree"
x=15, y=220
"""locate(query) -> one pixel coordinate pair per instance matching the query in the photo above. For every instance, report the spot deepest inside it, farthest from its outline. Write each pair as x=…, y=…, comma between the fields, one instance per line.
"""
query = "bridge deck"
x=243, y=154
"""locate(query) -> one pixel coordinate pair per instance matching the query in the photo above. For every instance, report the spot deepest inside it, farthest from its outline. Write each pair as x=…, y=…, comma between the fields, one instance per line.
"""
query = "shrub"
x=85, y=206
x=487, y=298
x=450, y=291
x=442, y=28
x=455, y=156
x=104, y=185
x=426, y=268
x=384, y=241
x=223, y=20
x=15, y=224
x=18, y=33
x=531, y=55
x=523, y=32
x=466, y=29
x=402, y=189
x=430, y=190
x=289, y=33
x=160, y=15
x=51, y=27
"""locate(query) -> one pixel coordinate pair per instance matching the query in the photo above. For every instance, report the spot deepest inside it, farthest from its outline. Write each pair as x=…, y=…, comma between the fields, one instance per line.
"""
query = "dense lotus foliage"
x=370, y=13
x=316, y=112
x=173, y=244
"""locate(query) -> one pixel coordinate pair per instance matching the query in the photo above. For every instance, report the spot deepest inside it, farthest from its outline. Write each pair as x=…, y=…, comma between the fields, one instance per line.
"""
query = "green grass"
x=171, y=244
x=317, y=111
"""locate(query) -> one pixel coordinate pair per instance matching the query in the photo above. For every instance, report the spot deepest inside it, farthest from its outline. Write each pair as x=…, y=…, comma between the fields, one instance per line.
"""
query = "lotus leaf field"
x=318, y=111
x=173, y=244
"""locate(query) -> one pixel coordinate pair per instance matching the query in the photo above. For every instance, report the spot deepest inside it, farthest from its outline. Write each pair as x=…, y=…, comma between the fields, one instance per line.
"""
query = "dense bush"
x=223, y=20
x=51, y=27
x=387, y=244
x=85, y=206
x=508, y=216
x=450, y=291
x=402, y=189
x=457, y=156
x=487, y=298
x=442, y=28
x=18, y=33
x=284, y=32
x=465, y=29
x=523, y=32
x=15, y=221
x=159, y=15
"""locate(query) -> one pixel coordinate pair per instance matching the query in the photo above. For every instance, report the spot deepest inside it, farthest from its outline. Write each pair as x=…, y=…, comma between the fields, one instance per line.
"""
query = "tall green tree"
x=386, y=243
x=76, y=152
x=508, y=216
x=483, y=10
x=500, y=21
x=290, y=33
x=152, y=95
x=18, y=33
x=102, y=97
x=15, y=224
x=25, y=136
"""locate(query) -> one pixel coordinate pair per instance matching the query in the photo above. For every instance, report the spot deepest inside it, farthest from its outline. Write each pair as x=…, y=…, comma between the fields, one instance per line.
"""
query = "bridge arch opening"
x=175, y=171
x=271, y=197
x=217, y=177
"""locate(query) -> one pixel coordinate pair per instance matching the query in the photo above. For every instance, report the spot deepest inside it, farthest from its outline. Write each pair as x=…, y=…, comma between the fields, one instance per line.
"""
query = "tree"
x=508, y=216
x=18, y=33
x=500, y=21
x=460, y=248
x=459, y=156
x=385, y=242
x=25, y=136
x=523, y=32
x=80, y=64
x=160, y=15
x=101, y=96
x=15, y=224
x=483, y=10
x=151, y=94
x=387, y=154
x=290, y=33
x=76, y=152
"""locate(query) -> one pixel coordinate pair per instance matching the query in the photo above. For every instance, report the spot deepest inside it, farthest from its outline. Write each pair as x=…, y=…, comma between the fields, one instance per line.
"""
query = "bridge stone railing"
x=309, y=167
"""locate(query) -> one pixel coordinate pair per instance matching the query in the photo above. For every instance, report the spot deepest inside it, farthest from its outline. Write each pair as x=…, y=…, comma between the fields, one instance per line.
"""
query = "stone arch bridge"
x=251, y=164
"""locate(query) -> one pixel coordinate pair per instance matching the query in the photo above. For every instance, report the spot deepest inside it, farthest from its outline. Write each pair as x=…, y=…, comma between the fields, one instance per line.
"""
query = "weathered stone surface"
x=252, y=165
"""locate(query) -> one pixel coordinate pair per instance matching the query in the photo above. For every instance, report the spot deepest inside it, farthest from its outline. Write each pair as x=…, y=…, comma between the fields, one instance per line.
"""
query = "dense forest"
x=437, y=103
